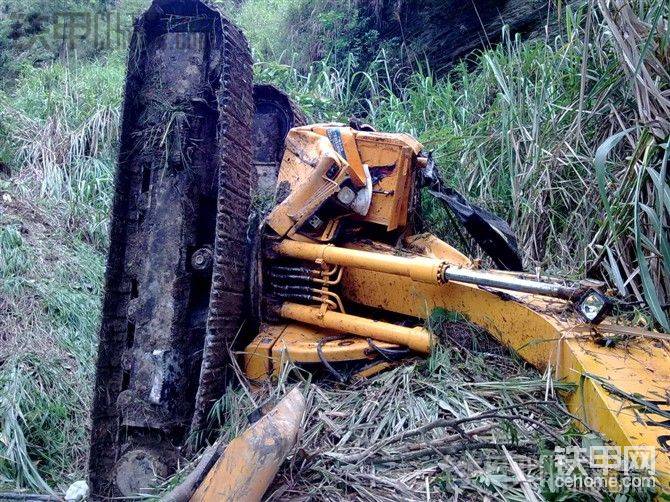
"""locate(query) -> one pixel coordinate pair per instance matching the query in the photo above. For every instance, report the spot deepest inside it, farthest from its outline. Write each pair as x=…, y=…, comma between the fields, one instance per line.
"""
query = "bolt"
x=202, y=259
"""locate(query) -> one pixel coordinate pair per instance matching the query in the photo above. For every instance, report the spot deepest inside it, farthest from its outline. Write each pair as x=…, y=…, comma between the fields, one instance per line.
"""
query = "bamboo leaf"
x=615, y=273
x=600, y=164
x=662, y=188
x=662, y=204
x=648, y=285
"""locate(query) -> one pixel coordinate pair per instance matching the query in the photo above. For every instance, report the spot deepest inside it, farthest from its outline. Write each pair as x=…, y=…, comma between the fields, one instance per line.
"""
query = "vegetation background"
x=564, y=133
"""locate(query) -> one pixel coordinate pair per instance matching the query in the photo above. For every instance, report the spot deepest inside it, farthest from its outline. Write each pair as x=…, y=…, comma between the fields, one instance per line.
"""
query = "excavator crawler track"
x=175, y=274
x=275, y=115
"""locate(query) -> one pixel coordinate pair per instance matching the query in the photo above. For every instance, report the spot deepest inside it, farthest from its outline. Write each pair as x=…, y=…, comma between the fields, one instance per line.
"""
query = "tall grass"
x=50, y=283
x=60, y=128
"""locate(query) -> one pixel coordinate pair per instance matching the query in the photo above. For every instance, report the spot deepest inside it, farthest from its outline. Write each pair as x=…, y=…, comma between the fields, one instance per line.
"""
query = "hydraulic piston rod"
x=510, y=283
x=421, y=269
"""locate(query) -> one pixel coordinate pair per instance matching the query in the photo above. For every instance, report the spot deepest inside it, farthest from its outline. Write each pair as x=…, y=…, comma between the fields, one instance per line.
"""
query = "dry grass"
x=59, y=130
x=644, y=52
x=470, y=421
x=58, y=158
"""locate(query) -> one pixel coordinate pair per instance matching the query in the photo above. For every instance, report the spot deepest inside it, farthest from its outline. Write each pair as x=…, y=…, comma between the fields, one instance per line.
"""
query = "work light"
x=594, y=306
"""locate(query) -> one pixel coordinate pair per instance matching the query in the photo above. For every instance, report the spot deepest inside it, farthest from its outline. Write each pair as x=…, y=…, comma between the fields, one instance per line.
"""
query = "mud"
x=183, y=185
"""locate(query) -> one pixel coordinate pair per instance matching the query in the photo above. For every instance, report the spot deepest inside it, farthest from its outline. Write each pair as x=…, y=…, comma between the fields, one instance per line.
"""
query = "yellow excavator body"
x=361, y=269
x=320, y=158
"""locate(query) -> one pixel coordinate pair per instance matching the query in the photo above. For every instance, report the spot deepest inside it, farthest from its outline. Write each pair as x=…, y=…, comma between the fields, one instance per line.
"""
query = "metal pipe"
x=330, y=294
x=510, y=283
x=313, y=277
x=418, y=339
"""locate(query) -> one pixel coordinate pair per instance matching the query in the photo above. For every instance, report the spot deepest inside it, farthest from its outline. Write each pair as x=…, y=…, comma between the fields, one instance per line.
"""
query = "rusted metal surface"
x=182, y=185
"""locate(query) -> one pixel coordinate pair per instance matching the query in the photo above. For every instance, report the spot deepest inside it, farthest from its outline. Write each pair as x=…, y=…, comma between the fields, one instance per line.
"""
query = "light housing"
x=594, y=306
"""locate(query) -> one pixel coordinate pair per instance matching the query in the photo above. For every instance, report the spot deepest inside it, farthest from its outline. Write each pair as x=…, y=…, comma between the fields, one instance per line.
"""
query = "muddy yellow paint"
x=258, y=355
x=310, y=157
x=250, y=462
x=418, y=268
x=418, y=339
x=543, y=331
x=298, y=343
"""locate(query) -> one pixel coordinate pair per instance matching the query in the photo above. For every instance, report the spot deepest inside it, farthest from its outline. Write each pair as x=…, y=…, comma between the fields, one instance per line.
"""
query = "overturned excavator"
x=332, y=277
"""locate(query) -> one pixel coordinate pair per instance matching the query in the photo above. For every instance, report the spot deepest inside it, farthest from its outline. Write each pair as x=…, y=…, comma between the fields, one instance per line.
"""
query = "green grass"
x=50, y=286
x=60, y=129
